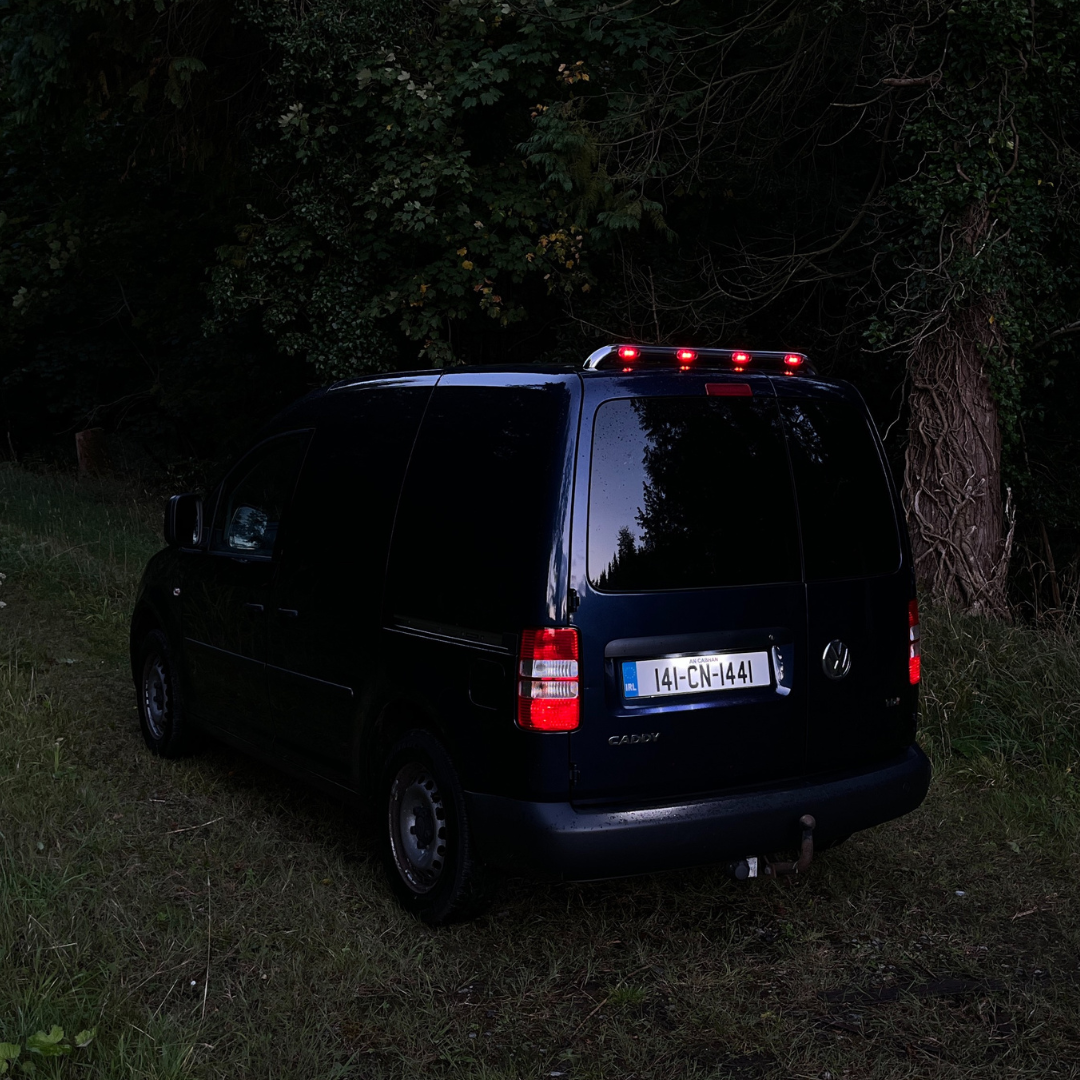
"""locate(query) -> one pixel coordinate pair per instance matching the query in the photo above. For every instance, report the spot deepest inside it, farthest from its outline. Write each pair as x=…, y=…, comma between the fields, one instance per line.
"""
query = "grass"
x=210, y=918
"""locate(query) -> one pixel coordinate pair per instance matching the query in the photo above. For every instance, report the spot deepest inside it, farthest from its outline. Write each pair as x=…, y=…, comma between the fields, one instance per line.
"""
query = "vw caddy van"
x=647, y=614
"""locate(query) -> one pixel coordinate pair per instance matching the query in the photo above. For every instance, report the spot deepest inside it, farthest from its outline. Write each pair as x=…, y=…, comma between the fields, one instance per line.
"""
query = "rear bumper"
x=581, y=844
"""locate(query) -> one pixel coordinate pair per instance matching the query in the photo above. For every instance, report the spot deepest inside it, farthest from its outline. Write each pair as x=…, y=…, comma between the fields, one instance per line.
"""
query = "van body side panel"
x=480, y=553
x=465, y=693
x=324, y=627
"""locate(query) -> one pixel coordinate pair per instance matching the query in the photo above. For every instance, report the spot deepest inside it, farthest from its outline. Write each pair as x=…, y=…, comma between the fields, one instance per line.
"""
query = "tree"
x=121, y=128
x=977, y=104
x=889, y=185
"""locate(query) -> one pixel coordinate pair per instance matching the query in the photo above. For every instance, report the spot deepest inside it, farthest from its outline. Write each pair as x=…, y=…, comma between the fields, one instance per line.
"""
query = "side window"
x=254, y=497
x=352, y=480
x=482, y=506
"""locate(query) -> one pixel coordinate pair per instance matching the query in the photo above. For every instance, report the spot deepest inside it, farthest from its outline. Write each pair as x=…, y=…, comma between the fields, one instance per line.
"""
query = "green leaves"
x=41, y=1044
x=472, y=133
x=48, y=1045
x=9, y=1052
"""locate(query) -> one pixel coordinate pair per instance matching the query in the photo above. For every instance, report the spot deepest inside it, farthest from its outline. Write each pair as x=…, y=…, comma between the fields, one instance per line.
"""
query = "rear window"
x=690, y=493
x=845, y=505
x=482, y=507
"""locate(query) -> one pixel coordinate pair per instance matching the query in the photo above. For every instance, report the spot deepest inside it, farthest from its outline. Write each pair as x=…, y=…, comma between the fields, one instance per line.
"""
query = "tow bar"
x=753, y=866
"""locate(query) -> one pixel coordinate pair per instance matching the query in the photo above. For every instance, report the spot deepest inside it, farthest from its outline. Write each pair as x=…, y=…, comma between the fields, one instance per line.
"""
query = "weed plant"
x=209, y=918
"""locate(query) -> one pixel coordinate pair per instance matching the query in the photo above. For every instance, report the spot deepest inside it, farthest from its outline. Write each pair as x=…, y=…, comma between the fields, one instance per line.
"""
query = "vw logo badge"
x=836, y=660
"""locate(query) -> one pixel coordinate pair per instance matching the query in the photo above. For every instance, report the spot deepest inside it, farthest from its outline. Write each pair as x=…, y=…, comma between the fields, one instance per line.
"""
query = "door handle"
x=288, y=613
x=254, y=609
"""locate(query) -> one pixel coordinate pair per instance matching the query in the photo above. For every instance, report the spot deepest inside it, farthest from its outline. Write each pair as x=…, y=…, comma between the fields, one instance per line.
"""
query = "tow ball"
x=753, y=866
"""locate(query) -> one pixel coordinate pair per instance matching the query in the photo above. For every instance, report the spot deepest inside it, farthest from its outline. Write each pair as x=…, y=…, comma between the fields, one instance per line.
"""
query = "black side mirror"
x=183, y=521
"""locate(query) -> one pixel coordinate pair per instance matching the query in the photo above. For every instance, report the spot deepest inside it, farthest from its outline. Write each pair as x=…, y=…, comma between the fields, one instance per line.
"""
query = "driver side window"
x=254, y=498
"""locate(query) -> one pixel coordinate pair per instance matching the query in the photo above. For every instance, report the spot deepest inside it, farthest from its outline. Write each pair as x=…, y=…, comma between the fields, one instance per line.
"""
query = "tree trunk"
x=90, y=451
x=961, y=533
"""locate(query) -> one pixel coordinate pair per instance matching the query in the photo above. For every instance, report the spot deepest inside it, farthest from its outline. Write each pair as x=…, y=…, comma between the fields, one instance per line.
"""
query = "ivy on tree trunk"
x=961, y=532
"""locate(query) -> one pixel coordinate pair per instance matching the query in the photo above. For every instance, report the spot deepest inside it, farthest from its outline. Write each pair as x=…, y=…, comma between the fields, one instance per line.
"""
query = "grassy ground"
x=210, y=919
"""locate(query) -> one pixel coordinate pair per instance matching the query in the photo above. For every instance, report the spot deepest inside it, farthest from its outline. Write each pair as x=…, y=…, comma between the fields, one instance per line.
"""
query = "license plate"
x=695, y=674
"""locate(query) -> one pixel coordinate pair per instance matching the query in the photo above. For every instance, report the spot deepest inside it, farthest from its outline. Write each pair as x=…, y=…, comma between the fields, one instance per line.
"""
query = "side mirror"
x=247, y=530
x=183, y=521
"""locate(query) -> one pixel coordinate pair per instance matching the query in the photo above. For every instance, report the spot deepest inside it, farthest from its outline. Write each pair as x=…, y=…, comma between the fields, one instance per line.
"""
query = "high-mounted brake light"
x=685, y=356
x=628, y=352
x=740, y=358
x=728, y=389
x=914, y=662
x=547, y=693
x=793, y=359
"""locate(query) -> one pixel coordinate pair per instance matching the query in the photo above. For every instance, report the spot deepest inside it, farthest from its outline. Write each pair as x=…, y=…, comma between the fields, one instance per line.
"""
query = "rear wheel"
x=426, y=841
x=161, y=714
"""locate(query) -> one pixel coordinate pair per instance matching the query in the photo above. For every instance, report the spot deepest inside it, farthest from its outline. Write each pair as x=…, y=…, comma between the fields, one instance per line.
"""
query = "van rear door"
x=861, y=705
x=692, y=610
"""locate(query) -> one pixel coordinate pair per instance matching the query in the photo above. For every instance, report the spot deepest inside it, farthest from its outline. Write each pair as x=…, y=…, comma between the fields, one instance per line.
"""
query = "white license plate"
x=695, y=674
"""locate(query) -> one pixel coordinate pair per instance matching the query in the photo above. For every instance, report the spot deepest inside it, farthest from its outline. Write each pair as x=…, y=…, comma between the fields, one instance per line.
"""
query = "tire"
x=161, y=713
x=426, y=843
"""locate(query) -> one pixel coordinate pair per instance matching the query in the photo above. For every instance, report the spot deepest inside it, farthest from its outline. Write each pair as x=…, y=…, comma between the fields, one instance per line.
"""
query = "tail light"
x=740, y=358
x=685, y=356
x=547, y=697
x=628, y=352
x=914, y=657
x=793, y=359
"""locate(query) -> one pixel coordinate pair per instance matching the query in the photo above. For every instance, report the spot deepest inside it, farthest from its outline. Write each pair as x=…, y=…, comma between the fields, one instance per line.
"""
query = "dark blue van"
x=649, y=614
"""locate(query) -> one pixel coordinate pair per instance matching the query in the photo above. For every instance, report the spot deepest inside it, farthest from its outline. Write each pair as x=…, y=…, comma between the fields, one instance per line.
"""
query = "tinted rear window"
x=483, y=506
x=690, y=493
x=845, y=505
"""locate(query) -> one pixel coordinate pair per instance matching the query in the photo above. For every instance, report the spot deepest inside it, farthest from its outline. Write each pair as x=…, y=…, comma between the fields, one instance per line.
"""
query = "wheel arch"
x=398, y=715
x=149, y=615
x=144, y=620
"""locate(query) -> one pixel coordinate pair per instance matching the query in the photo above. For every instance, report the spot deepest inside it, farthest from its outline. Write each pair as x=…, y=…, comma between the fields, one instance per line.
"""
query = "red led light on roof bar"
x=685, y=356
x=628, y=352
x=793, y=359
x=740, y=358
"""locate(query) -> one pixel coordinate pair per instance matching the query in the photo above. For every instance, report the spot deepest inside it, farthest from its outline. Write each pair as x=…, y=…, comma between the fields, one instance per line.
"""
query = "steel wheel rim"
x=417, y=823
x=156, y=696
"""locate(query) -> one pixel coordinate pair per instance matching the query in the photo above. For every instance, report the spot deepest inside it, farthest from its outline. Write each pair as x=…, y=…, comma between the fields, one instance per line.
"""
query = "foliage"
x=405, y=160
x=119, y=160
x=208, y=205
x=503, y=161
x=41, y=1045
x=980, y=97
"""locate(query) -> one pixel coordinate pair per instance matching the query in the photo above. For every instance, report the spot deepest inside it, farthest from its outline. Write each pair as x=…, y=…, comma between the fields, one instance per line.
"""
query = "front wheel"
x=427, y=845
x=161, y=714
